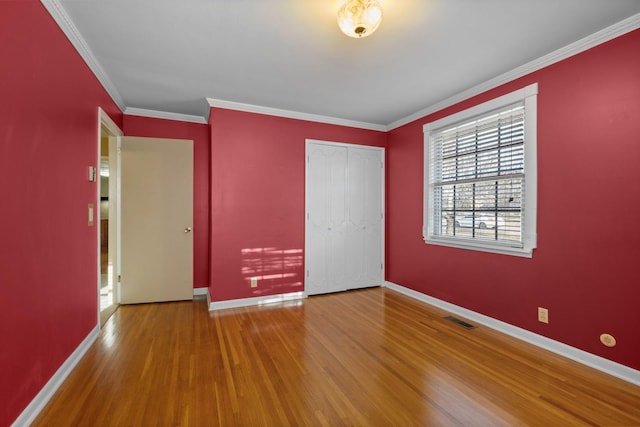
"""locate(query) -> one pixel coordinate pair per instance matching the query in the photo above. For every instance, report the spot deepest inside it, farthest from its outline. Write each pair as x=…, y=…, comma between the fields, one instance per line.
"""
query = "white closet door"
x=344, y=227
x=364, y=243
x=326, y=218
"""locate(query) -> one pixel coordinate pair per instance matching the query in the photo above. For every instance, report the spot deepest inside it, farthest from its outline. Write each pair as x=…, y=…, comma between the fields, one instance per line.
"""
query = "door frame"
x=306, y=201
x=115, y=134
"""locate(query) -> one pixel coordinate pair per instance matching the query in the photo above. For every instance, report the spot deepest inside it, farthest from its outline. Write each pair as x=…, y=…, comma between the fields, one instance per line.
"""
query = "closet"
x=344, y=232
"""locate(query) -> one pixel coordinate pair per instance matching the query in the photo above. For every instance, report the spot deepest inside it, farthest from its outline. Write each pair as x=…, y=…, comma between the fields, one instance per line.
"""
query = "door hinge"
x=119, y=278
x=307, y=273
x=381, y=266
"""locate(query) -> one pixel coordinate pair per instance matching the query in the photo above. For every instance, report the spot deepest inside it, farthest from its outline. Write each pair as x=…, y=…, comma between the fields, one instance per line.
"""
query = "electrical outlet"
x=608, y=340
x=543, y=315
x=254, y=282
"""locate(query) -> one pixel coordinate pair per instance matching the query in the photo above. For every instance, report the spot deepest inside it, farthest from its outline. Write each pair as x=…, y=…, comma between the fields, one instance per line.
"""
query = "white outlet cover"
x=543, y=315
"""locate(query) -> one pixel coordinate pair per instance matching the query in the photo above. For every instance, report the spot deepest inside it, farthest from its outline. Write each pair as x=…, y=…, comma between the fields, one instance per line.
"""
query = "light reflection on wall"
x=273, y=268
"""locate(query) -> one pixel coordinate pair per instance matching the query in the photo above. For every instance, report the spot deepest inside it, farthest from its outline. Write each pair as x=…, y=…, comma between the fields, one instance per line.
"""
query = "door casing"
x=114, y=133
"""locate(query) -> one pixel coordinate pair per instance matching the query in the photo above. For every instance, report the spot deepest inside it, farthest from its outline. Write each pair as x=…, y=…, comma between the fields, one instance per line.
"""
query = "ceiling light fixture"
x=359, y=18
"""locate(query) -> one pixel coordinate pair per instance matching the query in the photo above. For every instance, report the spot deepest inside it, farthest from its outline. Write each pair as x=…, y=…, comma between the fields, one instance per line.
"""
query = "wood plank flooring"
x=364, y=358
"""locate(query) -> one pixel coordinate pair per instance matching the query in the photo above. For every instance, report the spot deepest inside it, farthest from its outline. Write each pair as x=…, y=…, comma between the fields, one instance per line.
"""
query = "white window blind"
x=477, y=178
x=478, y=171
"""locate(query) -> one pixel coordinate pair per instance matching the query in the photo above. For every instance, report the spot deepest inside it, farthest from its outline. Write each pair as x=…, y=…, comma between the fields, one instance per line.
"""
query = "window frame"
x=528, y=96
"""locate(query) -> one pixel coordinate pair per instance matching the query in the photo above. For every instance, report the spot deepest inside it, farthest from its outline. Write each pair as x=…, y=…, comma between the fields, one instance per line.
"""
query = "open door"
x=156, y=220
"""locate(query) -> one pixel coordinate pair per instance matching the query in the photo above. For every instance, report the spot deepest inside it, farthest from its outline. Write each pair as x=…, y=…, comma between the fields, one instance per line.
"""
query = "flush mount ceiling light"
x=359, y=18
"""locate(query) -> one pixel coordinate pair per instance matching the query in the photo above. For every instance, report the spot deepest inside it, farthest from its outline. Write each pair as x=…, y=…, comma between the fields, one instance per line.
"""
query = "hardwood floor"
x=368, y=358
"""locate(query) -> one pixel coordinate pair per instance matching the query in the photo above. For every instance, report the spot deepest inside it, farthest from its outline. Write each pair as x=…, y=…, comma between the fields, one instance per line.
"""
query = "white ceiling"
x=169, y=55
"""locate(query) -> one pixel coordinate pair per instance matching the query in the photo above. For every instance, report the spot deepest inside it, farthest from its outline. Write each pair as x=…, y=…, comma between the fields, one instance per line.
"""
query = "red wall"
x=48, y=255
x=257, y=199
x=585, y=270
x=199, y=133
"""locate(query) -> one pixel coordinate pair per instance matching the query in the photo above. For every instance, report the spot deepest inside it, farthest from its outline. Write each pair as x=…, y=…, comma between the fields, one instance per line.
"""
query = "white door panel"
x=372, y=258
x=326, y=219
x=357, y=187
x=336, y=268
x=317, y=245
x=365, y=211
x=318, y=173
x=336, y=194
x=373, y=180
x=355, y=255
x=373, y=212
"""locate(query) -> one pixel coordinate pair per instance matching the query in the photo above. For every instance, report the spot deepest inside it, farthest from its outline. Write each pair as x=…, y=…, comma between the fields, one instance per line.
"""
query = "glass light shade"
x=359, y=18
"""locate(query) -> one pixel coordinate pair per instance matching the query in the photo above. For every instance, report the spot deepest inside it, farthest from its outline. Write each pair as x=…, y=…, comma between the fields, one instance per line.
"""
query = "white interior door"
x=344, y=238
x=156, y=220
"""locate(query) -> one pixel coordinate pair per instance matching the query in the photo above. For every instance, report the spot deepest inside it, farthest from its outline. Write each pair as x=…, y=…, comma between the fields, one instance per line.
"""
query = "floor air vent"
x=460, y=322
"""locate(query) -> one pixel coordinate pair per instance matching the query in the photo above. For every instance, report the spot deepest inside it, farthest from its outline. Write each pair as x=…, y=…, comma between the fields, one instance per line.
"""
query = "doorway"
x=108, y=216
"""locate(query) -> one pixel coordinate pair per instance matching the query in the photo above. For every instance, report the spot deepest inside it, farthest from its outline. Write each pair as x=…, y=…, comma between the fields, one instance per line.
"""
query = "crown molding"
x=230, y=105
x=129, y=111
x=595, y=39
x=63, y=20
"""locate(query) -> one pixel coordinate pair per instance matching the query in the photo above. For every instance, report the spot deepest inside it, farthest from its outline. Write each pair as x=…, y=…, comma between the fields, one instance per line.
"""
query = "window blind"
x=477, y=177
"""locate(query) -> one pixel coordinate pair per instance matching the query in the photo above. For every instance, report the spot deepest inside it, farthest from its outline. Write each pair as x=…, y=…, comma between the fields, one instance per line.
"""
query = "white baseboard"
x=244, y=302
x=200, y=291
x=600, y=363
x=42, y=398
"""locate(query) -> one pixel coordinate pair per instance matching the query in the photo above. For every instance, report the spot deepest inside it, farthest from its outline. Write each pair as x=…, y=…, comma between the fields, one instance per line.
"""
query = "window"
x=481, y=177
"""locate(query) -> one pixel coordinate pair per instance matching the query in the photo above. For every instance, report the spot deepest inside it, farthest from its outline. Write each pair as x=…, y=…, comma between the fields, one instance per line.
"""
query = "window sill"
x=480, y=246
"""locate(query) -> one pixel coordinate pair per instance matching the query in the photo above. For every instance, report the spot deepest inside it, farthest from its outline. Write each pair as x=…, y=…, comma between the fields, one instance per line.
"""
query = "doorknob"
x=187, y=230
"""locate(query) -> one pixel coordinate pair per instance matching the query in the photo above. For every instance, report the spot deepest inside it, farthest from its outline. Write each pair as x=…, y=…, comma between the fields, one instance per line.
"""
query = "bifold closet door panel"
x=365, y=215
x=326, y=218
